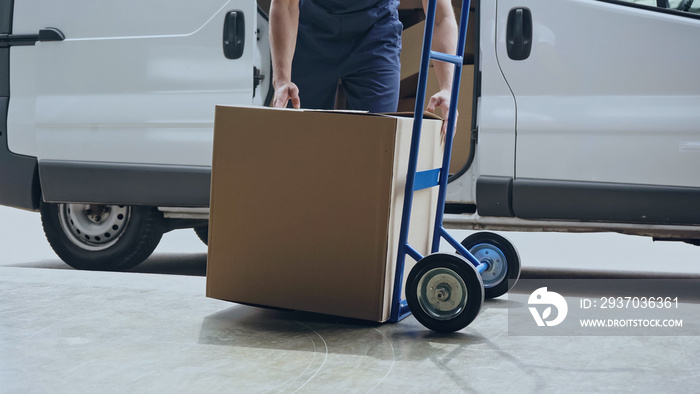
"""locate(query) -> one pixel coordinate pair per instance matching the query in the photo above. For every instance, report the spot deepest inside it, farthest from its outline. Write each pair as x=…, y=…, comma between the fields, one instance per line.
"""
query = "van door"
x=132, y=82
x=19, y=178
x=608, y=109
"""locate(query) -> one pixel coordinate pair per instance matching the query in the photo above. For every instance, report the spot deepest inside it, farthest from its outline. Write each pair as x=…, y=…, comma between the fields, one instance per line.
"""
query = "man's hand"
x=283, y=93
x=445, y=41
x=284, y=25
x=441, y=100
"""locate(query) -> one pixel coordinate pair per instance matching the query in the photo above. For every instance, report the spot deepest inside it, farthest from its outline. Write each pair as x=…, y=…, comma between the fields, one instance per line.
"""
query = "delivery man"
x=316, y=43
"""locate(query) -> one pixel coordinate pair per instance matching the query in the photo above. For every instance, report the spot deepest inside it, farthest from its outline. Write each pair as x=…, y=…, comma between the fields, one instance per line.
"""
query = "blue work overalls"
x=355, y=41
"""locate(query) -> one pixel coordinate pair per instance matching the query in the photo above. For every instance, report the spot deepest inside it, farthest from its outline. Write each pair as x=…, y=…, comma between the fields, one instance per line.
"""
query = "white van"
x=586, y=117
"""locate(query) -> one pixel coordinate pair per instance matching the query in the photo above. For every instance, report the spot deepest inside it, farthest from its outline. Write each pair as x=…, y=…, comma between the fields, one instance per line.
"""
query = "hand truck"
x=445, y=291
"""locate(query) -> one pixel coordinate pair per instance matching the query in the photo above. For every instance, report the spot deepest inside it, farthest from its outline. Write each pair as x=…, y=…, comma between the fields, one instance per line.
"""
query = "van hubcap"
x=93, y=227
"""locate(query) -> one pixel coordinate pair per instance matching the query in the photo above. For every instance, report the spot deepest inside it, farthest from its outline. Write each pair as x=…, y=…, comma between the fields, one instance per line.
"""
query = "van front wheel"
x=102, y=237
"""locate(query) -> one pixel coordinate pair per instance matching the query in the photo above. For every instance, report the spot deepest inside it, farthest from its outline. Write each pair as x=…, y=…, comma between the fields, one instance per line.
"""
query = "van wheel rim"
x=93, y=227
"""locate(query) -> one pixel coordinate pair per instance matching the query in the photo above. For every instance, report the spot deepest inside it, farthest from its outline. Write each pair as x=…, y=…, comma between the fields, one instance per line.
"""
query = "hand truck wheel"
x=444, y=292
x=503, y=260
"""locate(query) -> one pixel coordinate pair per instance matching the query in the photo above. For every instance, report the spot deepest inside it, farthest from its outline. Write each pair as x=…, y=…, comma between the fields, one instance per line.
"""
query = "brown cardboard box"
x=462, y=141
x=412, y=45
x=459, y=3
x=410, y=4
x=306, y=208
x=470, y=44
x=264, y=5
x=418, y=4
x=409, y=86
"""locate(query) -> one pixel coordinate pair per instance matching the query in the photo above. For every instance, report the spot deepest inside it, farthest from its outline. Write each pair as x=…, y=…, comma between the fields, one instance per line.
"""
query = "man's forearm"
x=284, y=24
x=444, y=40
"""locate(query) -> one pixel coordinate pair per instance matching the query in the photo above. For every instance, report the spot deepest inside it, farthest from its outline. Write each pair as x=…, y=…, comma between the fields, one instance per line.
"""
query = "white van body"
x=133, y=85
x=110, y=110
x=597, y=130
x=133, y=81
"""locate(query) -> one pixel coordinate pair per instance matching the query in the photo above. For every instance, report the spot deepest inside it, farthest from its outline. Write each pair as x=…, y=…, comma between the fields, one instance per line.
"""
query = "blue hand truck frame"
x=445, y=291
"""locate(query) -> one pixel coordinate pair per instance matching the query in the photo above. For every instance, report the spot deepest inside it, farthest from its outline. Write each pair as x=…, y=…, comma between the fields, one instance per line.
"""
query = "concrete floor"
x=67, y=331
x=86, y=332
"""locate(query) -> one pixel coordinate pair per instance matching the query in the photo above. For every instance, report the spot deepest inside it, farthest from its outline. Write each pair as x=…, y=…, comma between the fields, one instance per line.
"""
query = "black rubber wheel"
x=444, y=292
x=203, y=233
x=102, y=237
x=503, y=259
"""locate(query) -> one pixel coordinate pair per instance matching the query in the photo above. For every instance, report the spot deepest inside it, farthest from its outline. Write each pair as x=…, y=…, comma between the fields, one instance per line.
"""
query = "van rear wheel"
x=102, y=237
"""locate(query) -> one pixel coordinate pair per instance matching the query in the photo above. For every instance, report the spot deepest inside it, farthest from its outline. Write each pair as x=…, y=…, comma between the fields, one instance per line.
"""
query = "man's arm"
x=284, y=24
x=444, y=40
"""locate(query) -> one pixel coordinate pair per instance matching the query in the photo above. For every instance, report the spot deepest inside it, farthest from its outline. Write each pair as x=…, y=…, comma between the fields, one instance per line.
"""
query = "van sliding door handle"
x=234, y=34
x=45, y=35
x=519, y=33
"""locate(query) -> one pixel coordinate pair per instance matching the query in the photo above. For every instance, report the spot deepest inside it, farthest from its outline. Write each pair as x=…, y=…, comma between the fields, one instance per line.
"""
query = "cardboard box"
x=412, y=45
x=410, y=4
x=264, y=5
x=306, y=208
x=471, y=46
x=458, y=4
x=418, y=4
x=462, y=141
x=409, y=86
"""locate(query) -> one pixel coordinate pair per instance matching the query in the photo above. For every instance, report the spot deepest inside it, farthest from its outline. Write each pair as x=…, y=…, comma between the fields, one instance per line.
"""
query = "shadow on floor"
x=253, y=327
x=194, y=264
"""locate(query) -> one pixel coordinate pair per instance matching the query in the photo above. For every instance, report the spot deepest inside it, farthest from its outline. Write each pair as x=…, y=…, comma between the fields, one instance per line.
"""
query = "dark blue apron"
x=355, y=41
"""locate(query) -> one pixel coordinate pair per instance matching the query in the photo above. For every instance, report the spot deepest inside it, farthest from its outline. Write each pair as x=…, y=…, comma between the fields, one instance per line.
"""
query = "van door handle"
x=519, y=33
x=45, y=35
x=234, y=34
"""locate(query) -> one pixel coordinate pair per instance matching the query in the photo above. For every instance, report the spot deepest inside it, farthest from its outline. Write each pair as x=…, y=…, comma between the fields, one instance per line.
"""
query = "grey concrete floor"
x=146, y=331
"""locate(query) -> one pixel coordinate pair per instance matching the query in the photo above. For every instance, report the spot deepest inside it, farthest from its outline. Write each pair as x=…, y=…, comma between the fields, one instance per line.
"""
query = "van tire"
x=102, y=237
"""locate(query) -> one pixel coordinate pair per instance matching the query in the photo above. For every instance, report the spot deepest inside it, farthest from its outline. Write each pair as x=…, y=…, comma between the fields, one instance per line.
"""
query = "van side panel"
x=132, y=82
x=19, y=178
x=611, y=95
x=125, y=184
